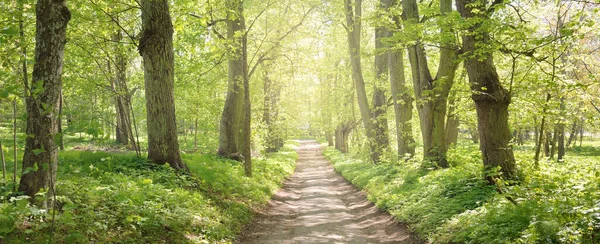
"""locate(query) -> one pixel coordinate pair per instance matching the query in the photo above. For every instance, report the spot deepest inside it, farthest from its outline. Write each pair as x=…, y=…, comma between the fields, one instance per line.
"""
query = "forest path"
x=316, y=205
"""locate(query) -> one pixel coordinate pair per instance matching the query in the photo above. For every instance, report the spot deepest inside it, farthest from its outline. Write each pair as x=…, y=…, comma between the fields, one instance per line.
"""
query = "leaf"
x=12, y=31
x=38, y=151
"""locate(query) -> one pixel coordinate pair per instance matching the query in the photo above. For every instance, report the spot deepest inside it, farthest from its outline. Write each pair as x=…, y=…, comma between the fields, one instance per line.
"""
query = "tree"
x=431, y=93
x=353, y=29
x=231, y=132
x=491, y=98
x=156, y=49
x=40, y=159
x=401, y=96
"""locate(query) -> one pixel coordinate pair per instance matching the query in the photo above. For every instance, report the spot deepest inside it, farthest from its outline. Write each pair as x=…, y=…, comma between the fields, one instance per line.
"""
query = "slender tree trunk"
x=15, y=146
x=329, y=139
x=3, y=164
x=380, y=124
x=196, y=134
x=40, y=159
x=581, y=132
x=547, y=143
x=491, y=99
x=540, y=135
x=403, y=100
x=572, y=133
x=560, y=133
x=156, y=49
x=553, y=141
x=353, y=21
x=452, y=122
x=61, y=142
x=230, y=136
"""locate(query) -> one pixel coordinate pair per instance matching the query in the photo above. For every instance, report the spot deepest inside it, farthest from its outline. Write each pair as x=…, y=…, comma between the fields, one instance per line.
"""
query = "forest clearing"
x=284, y=121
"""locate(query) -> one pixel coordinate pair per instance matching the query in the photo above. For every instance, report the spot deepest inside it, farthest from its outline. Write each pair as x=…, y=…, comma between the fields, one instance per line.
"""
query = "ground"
x=316, y=205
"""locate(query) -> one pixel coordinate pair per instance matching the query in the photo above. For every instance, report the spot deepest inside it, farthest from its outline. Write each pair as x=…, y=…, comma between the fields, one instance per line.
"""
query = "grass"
x=557, y=203
x=118, y=197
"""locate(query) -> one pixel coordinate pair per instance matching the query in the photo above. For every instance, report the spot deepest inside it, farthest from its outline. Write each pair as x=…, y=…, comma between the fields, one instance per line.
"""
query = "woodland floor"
x=316, y=205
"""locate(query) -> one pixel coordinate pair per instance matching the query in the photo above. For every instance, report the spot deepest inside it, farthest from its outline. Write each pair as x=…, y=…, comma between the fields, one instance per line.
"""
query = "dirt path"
x=316, y=205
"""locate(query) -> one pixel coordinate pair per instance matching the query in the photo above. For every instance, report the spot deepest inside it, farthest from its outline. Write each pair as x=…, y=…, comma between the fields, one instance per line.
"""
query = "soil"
x=316, y=205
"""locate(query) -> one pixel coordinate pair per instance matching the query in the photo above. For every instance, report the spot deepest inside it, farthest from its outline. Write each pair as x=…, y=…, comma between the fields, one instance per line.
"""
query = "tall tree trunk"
x=156, y=49
x=560, y=133
x=491, y=99
x=572, y=133
x=380, y=124
x=353, y=21
x=40, y=158
x=547, y=143
x=453, y=122
x=432, y=94
x=196, y=134
x=581, y=132
x=540, y=137
x=403, y=100
x=230, y=131
x=61, y=142
x=15, y=146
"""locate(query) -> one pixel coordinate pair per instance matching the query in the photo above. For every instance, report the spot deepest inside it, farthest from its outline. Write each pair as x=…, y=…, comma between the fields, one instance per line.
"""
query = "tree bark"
x=230, y=136
x=452, y=122
x=560, y=133
x=432, y=94
x=40, y=159
x=353, y=23
x=380, y=124
x=491, y=99
x=540, y=134
x=572, y=133
x=156, y=49
x=403, y=100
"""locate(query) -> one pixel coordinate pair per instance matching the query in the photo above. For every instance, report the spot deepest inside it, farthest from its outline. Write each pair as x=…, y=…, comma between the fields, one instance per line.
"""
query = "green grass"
x=557, y=203
x=118, y=197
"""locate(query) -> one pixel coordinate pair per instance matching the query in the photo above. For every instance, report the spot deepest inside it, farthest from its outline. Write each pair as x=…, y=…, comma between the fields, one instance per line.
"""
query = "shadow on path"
x=316, y=205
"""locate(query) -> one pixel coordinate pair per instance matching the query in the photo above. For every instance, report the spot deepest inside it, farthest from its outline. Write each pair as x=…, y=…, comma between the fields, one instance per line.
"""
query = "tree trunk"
x=540, y=134
x=15, y=146
x=560, y=133
x=353, y=21
x=61, y=142
x=432, y=94
x=547, y=143
x=40, y=159
x=491, y=99
x=380, y=124
x=403, y=101
x=196, y=134
x=230, y=136
x=554, y=141
x=329, y=139
x=572, y=133
x=581, y=132
x=156, y=49
x=452, y=122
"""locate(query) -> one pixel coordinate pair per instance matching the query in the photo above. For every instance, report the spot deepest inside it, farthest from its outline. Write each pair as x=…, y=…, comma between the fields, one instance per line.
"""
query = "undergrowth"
x=557, y=203
x=117, y=197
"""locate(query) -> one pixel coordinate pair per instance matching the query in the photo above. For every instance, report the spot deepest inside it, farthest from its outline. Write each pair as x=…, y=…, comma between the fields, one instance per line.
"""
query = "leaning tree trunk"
x=353, y=21
x=156, y=49
x=491, y=99
x=40, y=159
x=230, y=137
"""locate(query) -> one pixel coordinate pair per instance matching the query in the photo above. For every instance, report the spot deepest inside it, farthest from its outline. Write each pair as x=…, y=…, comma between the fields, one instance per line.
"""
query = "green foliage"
x=559, y=203
x=117, y=197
